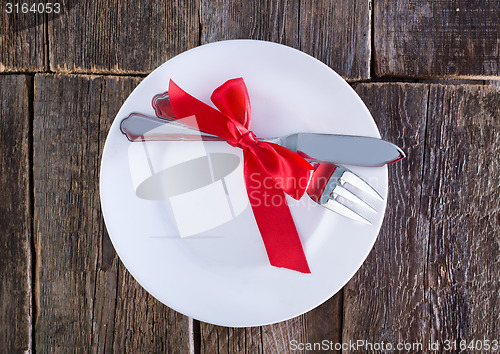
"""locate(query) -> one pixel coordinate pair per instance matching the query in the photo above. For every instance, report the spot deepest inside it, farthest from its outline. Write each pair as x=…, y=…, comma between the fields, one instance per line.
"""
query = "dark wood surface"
x=121, y=36
x=86, y=299
x=433, y=274
x=16, y=213
x=23, y=40
x=385, y=299
x=422, y=38
x=335, y=32
x=460, y=210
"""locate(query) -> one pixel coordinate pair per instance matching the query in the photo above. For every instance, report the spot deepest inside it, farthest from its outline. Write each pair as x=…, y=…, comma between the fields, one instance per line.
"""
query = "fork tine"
x=341, y=209
x=359, y=183
x=339, y=190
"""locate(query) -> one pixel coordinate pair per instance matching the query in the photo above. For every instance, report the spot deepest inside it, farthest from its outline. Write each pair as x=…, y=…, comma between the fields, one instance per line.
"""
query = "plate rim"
x=125, y=261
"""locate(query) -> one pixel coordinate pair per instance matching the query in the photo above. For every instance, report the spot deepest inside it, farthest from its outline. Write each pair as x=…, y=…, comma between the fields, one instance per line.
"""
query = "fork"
x=327, y=185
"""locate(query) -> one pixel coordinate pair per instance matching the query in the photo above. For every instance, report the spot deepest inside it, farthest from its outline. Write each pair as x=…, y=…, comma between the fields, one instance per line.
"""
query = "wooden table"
x=425, y=69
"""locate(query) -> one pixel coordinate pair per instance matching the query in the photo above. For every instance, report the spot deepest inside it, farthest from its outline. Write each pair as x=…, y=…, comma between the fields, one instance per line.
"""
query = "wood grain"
x=274, y=21
x=433, y=273
x=22, y=39
x=335, y=32
x=451, y=81
x=87, y=301
x=385, y=300
x=15, y=214
x=437, y=38
x=276, y=338
x=338, y=33
x=325, y=322
x=122, y=36
x=462, y=182
x=217, y=339
x=145, y=325
x=322, y=323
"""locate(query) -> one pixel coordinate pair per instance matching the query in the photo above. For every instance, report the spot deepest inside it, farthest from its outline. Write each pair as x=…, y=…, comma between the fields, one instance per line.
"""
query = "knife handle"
x=140, y=127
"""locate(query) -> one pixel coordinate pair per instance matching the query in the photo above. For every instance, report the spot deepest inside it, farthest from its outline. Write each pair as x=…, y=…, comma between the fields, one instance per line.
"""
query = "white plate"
x=222, y=275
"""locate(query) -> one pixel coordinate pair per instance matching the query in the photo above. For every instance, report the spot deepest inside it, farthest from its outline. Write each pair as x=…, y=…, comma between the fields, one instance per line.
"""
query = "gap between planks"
x=397, y=80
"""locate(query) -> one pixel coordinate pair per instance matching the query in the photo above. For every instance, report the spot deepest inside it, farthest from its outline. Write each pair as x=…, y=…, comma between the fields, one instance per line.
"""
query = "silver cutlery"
x=327, y=186
x=327, y=183
x=341, y=149
x=327, y=189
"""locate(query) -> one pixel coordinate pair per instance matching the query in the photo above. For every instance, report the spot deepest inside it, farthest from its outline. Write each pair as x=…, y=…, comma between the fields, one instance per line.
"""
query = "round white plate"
x=221, y=275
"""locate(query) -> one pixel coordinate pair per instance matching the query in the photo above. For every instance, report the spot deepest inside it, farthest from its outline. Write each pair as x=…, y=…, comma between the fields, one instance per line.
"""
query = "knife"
x=342, y=149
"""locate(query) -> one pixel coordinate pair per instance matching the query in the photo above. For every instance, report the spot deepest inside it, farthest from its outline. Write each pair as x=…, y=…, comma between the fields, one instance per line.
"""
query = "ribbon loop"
x=269, y=169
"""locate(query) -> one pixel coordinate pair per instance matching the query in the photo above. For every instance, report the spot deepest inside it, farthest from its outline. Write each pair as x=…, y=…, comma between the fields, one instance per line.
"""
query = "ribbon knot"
x=247, y=140
x=270, y=170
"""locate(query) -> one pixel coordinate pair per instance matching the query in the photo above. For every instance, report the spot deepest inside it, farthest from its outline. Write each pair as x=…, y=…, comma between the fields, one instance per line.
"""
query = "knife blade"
x=341, y=149
x=344, y=149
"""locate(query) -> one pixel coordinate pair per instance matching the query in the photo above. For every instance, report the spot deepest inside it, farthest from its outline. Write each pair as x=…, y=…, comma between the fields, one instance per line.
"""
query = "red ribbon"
x=270, y=170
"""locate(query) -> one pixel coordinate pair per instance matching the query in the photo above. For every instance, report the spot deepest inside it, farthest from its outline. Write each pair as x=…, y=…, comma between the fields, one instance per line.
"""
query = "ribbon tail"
x=275, y=222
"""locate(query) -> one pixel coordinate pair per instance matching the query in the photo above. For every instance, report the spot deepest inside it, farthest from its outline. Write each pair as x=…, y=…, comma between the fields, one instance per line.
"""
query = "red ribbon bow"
x=270, y=170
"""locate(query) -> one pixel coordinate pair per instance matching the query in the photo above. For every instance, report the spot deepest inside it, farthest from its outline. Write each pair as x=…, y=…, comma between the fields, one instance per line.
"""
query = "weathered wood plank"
x=451, y=81
x=143, y=324
x=15, y=214
x=105, y=327
x=338, y=34
x=385, y=300
x=87, y=300
x=274, y=21
x=22, y=38
x=309, y=329
x=433, y=273
x=335, y=32
x=437, y=38
x=122, y=36
x=67, y=220
x=217, y=339
x=276, y=338
x=325, y=322
x=493, y=83
x=462, y=185
x=322, y=323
